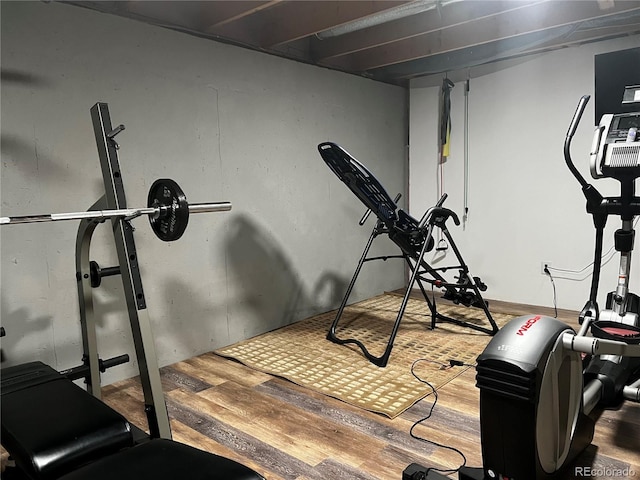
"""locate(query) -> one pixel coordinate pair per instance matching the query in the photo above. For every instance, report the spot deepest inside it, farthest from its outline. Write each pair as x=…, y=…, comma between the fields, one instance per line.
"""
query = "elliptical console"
x=616, y=151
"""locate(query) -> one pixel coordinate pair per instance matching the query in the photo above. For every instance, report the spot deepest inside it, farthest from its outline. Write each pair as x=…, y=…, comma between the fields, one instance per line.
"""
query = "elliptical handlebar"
x=582, y=104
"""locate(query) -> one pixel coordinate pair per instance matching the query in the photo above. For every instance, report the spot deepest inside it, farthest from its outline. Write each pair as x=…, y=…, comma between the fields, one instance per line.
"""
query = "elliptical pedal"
x=616, y=331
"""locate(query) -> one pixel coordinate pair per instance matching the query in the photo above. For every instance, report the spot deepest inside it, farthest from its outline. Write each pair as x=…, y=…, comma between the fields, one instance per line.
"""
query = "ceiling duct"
x=396, y=13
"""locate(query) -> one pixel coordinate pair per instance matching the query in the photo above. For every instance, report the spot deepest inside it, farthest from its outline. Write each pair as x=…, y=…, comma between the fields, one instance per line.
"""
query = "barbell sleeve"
x=209, y=207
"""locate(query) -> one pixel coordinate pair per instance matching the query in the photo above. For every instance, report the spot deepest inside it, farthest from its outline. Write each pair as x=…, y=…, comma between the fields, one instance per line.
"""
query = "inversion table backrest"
x=402, y=228
x=361, y=182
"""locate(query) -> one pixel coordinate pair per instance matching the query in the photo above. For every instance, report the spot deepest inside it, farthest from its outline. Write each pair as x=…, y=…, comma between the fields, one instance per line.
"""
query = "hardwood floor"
x=287, y=432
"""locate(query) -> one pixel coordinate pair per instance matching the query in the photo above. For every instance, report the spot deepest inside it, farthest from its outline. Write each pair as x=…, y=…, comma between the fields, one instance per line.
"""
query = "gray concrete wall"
x=525, y=207
x=227, y=124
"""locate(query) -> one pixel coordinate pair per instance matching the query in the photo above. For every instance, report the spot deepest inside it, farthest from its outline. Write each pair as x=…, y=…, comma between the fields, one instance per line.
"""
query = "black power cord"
x=424, y=474
x=555, y=303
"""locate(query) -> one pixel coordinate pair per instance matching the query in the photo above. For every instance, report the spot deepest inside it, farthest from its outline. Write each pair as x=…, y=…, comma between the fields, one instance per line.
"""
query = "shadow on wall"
x=269, y=285
x=24, y=153
x=23, y=149
x=189, y=313
x=25, y=78
x=19, y=325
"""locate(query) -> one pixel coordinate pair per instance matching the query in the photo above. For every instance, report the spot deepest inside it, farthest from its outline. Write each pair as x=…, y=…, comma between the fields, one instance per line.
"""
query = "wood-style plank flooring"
x=287, y=432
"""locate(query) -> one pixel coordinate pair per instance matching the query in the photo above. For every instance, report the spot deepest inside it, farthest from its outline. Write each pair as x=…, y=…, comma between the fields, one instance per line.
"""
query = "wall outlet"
x=542, y=267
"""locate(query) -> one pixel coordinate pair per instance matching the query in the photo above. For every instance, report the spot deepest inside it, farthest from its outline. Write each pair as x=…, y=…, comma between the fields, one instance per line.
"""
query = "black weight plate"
x=173, y=220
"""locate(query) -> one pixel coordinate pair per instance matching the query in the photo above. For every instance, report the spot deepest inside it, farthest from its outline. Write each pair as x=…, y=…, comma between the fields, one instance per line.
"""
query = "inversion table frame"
x=415, y=240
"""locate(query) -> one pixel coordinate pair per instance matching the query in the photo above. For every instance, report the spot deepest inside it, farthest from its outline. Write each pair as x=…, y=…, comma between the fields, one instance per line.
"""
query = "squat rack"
x=168, y=212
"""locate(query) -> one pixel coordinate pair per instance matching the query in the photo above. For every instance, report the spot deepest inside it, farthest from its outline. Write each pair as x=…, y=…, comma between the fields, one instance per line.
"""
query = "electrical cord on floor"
x=555, y=302
x=452, y=363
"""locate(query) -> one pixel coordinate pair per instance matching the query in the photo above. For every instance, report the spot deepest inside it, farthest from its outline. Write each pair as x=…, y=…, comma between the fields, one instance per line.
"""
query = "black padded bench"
x=53, y=429
x=51, y=426
x=163, y=459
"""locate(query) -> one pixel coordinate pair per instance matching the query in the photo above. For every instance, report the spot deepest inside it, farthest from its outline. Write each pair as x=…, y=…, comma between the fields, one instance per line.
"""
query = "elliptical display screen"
x=627, y=122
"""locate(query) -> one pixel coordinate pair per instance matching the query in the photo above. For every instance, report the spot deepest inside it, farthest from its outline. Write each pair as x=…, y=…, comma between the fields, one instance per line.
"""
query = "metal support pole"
x=85, y=297
x=157, y=416
x=465, y=214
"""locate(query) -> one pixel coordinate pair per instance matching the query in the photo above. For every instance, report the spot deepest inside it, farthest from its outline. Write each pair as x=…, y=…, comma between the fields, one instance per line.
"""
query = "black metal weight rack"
x=168, y=212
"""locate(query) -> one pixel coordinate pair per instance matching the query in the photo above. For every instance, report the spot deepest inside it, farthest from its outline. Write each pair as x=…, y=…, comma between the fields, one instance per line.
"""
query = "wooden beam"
x=419, y=24
x=417, y=68
x=219, y=13
x=291, y=20
x=528, y=19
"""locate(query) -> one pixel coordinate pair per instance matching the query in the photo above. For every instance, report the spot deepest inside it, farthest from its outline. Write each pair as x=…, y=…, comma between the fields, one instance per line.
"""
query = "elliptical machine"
x=539, y=381
x=533, y=374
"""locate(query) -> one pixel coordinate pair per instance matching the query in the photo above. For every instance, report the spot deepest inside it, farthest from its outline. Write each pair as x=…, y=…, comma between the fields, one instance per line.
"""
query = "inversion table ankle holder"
x=415, y=239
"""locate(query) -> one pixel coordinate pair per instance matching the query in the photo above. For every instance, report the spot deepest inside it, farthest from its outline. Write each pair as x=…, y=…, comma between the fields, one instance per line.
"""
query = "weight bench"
x=415, y=239
x=53, y=429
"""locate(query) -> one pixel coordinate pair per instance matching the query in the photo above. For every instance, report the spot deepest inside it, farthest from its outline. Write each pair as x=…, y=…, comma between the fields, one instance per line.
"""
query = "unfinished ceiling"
x=391, y=41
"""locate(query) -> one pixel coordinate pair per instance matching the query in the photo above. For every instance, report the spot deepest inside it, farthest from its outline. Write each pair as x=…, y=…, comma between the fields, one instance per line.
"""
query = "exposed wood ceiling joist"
x=390, y=40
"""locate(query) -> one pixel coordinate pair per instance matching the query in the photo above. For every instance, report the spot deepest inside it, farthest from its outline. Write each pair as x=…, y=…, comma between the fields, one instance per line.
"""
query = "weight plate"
x=172, y=220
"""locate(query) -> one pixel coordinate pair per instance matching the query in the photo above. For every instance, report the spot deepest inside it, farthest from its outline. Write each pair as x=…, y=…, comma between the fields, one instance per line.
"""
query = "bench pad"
x=50, y=426
x=164, y=459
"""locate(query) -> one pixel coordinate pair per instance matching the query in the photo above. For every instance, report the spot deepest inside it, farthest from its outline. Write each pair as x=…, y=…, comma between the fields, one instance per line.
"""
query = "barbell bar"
x=105, y=214
x=168, y=211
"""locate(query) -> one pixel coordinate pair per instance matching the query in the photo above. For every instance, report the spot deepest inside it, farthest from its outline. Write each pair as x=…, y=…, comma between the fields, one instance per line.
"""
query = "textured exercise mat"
x=301, y=353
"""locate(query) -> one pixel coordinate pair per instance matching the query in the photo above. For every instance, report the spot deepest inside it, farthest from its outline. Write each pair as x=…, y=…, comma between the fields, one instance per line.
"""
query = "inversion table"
x=415, y=239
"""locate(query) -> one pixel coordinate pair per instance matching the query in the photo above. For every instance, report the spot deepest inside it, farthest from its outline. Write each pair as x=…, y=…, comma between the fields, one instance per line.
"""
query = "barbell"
x=167, y=208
